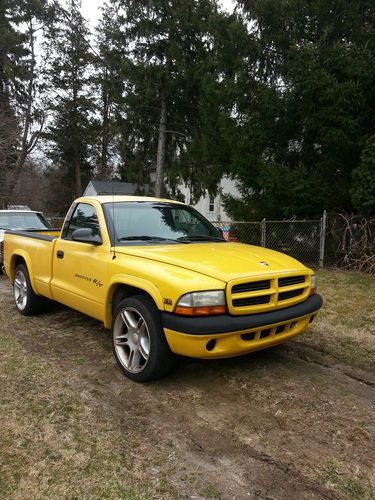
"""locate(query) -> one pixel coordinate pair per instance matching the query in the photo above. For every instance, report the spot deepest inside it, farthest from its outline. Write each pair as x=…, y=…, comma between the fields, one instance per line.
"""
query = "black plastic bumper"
x=225, y=323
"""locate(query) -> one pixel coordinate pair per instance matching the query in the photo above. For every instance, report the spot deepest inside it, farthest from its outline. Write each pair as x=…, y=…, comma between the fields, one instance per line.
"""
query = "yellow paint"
x=231, y=344
x=88, y=276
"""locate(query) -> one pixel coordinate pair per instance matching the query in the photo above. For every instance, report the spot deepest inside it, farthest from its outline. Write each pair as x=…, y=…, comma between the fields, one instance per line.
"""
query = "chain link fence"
x=300, y=239
x=336, y=240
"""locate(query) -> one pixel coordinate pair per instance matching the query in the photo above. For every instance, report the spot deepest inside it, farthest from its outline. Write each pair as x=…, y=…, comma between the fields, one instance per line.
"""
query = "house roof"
x=105, y=187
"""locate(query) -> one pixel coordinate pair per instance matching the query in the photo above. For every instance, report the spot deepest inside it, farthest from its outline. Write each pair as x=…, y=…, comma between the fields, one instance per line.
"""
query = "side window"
x=84, y=216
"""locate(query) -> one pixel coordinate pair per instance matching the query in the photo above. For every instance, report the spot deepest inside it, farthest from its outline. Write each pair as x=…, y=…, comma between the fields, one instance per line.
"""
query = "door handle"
x=60, y=254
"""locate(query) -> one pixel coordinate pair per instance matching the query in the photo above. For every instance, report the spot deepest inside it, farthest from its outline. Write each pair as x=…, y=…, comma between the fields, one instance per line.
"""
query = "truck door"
x=79, y=275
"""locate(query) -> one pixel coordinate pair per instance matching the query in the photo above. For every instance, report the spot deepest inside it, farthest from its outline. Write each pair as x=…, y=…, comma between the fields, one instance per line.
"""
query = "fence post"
x=263, y=235
x=323, y=223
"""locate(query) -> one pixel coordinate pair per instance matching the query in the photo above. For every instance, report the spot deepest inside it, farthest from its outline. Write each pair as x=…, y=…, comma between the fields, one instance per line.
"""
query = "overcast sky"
x=90, y=8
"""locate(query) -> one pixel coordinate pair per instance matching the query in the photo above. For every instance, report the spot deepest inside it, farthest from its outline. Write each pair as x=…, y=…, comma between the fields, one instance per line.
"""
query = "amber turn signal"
x=200, y=311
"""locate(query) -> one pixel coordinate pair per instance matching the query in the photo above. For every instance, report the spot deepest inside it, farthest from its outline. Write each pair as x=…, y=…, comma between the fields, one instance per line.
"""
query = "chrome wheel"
x=131, y=339
x=20, y=290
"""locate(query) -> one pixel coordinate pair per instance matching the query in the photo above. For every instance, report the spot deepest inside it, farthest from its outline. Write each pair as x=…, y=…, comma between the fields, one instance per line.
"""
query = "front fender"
x=129, y=280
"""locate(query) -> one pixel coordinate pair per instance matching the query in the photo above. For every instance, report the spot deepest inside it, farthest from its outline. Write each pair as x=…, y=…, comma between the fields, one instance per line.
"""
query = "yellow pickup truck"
x=163, y=279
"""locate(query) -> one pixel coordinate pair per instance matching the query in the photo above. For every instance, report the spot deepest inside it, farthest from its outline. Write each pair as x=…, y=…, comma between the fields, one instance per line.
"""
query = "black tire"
x=138, y=340
x=27, y=301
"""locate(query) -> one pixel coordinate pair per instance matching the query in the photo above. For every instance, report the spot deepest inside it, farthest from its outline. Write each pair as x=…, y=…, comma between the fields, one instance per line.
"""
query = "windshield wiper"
x=149, y=238
x=200, y=238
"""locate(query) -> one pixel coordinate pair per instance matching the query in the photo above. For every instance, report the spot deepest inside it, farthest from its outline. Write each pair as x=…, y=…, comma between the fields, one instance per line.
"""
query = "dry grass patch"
x=55, y=442
x=346, y=325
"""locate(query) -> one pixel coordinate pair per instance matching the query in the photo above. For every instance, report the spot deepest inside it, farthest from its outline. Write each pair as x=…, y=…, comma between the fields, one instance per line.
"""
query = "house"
x=95, y=188
x=211, y=206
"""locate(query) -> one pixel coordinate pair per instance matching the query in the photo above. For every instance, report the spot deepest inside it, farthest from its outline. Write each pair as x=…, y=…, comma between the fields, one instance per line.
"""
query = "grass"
x=58, y=441
x=53, y=442
x=353, y=486
x=346, y=325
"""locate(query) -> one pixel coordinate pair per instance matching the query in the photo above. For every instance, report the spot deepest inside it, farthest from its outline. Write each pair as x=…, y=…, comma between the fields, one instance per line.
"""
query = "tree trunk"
x=159, y=181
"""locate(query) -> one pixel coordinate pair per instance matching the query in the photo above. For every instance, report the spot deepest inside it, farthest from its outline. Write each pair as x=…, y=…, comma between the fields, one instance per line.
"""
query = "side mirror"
x=86, y=235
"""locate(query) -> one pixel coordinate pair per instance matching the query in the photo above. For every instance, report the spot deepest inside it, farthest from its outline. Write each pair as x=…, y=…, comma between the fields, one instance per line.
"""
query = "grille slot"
x=265, y=333
x=290, y=294
x=252, y=286
x=251, y=301
x=291, y=280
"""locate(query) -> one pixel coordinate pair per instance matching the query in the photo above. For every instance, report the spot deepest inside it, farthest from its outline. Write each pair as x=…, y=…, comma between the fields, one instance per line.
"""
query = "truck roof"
x=124, y=198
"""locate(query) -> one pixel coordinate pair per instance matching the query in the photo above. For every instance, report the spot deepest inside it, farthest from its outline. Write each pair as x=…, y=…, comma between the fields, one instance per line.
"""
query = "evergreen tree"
x=169, y=69
x=19, y=115
x=70, y=133
x=363, y=187
x=309, y=114
x=109, y=85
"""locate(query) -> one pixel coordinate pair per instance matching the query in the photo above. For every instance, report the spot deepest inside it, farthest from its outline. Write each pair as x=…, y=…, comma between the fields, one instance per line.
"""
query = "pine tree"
x=168, y=68
x=310, y=108
x=13, y=52
x=109, y=85
x=70, y=134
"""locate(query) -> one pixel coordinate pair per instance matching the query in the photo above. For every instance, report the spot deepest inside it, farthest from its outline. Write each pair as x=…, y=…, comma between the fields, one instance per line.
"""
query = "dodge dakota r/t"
x=163, y=279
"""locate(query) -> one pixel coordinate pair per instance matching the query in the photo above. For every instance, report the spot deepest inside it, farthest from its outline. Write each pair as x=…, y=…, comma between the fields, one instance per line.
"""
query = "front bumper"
x=226, y=336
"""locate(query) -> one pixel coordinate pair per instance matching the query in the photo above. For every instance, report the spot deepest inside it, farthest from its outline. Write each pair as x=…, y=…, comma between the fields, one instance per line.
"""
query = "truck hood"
x=223, y=261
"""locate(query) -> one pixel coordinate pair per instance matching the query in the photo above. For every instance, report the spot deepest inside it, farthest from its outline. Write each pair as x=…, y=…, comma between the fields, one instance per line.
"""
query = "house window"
x=211, y=205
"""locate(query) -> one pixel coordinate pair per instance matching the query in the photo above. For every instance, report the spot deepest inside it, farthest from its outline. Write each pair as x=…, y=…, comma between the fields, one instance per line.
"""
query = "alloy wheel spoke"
x=134, y=359
x=129, y=320
x=121, y=339
x=144, y=347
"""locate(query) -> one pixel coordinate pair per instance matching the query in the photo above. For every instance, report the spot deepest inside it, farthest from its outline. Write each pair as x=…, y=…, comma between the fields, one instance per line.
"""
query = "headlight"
x=202, y=303
x=313, y=285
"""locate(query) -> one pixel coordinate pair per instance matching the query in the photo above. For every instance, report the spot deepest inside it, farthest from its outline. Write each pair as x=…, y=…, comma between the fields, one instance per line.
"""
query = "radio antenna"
x=113, y=222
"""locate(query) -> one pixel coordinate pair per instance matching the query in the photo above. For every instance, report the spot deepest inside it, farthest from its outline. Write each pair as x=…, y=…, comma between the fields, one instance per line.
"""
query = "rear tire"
x=138, y=340
x=26, y=300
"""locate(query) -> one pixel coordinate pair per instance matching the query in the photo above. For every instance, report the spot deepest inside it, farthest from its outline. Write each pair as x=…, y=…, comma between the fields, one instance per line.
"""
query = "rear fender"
x=26, y=258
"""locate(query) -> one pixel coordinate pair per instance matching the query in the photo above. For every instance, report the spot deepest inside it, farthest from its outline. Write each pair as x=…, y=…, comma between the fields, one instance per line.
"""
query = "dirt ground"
x=293, y=422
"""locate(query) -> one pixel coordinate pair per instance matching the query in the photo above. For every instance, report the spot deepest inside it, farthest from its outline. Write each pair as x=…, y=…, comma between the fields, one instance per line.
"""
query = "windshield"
x=153, y=222
x=23, y=220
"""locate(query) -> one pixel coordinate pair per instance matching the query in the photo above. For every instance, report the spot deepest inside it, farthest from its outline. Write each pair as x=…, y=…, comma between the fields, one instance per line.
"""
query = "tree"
x=12, y=50
x=109, y=85
x=169, y=69
x=70, y=133
x=308, y=109
x=363, y=187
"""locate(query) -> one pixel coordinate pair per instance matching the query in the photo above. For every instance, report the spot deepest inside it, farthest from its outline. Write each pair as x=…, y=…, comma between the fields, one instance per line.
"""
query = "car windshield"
x=23, y=220
x=155, y=223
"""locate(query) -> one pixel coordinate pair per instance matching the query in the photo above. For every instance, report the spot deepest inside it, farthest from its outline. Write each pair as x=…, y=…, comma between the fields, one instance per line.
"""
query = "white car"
x=20, y=218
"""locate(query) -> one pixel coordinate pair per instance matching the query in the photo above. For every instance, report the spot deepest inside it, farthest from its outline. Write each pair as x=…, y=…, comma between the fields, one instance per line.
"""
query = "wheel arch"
x=21, y=258
x=122, y=288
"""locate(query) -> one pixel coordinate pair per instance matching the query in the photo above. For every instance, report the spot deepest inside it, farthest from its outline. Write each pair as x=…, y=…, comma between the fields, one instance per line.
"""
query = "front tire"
x=138, y=340
x=26, y=300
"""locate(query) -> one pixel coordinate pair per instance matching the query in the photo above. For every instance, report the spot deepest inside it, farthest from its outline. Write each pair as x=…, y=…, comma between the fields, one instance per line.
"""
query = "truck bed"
x=34, y=246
